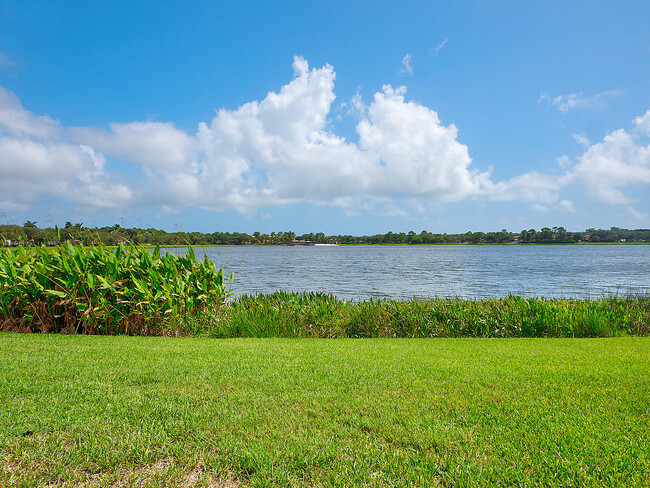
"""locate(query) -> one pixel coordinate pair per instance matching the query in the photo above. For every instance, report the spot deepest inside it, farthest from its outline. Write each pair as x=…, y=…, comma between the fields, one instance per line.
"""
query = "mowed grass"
x=154, y=411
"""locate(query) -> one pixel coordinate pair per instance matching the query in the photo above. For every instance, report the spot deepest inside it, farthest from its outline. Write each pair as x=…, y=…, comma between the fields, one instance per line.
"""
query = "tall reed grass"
x=102, y=290
x=320, y=315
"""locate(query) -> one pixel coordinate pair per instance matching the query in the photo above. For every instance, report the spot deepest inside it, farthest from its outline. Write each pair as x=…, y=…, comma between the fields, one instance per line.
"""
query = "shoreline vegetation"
x=75, y=289
x=29, y=234
x=292, y=315
x=131, y=290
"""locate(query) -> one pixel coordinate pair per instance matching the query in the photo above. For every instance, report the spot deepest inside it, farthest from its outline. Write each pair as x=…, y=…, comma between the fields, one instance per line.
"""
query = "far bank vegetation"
x=31, y=234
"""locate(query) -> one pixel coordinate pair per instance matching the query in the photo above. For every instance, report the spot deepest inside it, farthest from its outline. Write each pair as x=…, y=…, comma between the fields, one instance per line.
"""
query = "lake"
x=362, y=272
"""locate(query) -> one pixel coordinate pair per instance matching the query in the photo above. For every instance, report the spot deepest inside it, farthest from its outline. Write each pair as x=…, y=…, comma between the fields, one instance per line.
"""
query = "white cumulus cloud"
x=540, y=189
x=37, y=157
x=607, y=167
x=417, y=155
x=642, y=123
x=29, y=169
x=605, y=170
x=283, y=149
x=17, y=121
x=152, y=144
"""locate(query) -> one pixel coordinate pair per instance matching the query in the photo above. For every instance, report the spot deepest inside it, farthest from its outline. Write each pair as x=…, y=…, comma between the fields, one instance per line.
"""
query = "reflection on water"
x=361, y=272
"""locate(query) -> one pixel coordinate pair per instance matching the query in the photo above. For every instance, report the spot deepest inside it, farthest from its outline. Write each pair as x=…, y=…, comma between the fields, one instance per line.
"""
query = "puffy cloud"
x=277, y=150
x=642, y=123
x=30, y=169
x=565, y=206
x=417, y=154
x=282, y=149
x=17, y=121
x=36, y=159
x=274, y=151
x=604, y=170
x=606, y=167
x=24, y=159
x=540, y=189
x=154, y=144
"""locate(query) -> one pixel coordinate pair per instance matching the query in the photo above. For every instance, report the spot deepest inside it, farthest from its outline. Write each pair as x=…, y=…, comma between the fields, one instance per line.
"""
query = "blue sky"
x=340, y=117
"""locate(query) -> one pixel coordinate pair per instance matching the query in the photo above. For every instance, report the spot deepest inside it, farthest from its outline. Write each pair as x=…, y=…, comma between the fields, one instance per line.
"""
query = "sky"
x=340, y=117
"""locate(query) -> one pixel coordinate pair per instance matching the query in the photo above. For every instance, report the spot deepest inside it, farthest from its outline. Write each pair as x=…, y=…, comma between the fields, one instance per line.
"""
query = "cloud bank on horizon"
x=283, y=150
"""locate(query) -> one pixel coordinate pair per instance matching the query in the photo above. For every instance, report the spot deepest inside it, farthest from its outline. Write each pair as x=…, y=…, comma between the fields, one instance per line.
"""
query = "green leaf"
x=56, y=293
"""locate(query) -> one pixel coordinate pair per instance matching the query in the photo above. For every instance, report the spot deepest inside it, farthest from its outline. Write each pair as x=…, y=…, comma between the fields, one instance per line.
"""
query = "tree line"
x=30, y=234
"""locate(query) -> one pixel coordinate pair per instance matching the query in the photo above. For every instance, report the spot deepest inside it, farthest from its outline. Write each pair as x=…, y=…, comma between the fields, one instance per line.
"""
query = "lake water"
x=361, y=272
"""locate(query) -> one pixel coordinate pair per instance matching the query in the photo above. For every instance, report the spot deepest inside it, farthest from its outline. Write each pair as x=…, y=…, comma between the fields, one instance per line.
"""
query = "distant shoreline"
x=175, y=246
x=427, y=244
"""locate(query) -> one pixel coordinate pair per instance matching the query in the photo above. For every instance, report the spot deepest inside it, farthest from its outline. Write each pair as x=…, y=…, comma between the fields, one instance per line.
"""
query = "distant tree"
x=29, y=224
x=560, y=234
x=491, y=237
x=287, y=237
x=504, y=236
x=10, y=232
x=477, y=237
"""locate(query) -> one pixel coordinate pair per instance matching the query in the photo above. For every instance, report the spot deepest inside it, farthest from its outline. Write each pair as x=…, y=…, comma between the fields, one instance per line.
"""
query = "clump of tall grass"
x=320, y=315
x=102, y=290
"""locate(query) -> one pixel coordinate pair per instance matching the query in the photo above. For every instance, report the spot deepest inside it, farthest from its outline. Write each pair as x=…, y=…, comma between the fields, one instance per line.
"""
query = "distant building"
x=301, y=242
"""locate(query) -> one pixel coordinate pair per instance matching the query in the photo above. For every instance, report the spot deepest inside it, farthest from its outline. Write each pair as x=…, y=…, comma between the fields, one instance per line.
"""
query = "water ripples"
x=362, y=272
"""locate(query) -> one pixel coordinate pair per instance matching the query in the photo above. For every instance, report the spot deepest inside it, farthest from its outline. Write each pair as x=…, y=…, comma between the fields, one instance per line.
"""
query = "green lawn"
x=131, y=411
